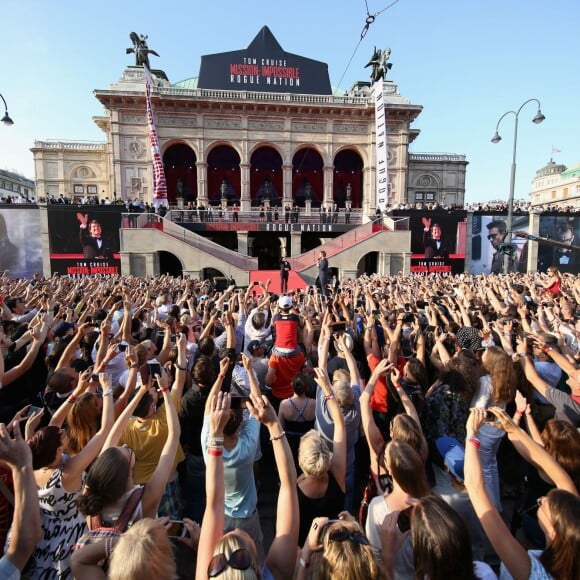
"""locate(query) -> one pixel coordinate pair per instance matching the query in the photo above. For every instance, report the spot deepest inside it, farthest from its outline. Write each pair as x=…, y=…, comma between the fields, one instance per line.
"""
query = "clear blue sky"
x=465, y=61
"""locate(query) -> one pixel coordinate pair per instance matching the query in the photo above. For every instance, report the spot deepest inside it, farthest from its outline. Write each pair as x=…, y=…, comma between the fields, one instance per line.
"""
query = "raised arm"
x=405, y=400
x=73, y=469
x=350, y=361
x=39, y=335
x=282, y=554
x=212, y=527
x=156, y=485
x=534, y=453
x=26, y=530
x=510, y=551
x=254, y=385
x=338, y=461
x=60, y=415
x=121, y=422
x=372, y=432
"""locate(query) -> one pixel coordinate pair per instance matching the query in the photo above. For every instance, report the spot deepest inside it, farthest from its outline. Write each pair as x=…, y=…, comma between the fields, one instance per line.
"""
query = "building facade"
x=15, y=188
x=261, y=133
x=267, y=142
x=556, y=186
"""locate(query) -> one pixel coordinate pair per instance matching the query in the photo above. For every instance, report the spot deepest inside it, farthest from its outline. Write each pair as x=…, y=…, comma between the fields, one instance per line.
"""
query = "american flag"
x=159, y=183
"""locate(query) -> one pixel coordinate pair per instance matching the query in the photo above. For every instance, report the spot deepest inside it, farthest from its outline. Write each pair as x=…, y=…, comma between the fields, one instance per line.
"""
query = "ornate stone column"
x=202, y=182
x=287, y=181
x=328, y=200
x=245, y=201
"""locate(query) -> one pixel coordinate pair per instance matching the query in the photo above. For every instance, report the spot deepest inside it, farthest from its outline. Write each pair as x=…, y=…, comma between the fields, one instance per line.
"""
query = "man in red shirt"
x=287, y=357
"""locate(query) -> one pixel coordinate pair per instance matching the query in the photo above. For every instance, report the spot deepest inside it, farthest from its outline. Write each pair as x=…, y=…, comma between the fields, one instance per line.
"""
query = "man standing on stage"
x=323, y=272
x=285, y=268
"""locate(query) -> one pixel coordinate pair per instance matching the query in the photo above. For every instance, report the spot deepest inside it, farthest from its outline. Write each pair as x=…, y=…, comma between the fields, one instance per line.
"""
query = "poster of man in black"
x=84, y=241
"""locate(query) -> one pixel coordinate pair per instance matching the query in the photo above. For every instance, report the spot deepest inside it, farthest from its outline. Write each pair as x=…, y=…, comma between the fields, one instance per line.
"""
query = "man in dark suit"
x=432, y=242
x=322, y=262
x=91, y=237
x=284, y=274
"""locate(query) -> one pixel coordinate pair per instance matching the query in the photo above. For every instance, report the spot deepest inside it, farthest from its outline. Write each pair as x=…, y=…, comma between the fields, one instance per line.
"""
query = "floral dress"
x=447, y=413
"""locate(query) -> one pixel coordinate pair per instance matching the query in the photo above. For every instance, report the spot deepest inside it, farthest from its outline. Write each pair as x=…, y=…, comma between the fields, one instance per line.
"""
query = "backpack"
x=99, y=533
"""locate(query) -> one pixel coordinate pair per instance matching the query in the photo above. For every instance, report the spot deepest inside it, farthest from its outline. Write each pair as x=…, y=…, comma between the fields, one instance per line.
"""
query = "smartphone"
x=154, y=368
x=95, y=378
x=225, y=307
x=239, y=402
x=255, y=283
x=404, y=520
x=490, y=417
x=123, y=346
x=33, y=410
x=375, y=312
x=176, y=529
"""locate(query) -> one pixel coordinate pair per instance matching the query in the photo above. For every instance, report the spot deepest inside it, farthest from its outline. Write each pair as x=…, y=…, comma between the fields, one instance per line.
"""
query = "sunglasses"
x=343, y=535
x=240, y=559
x=534, y=506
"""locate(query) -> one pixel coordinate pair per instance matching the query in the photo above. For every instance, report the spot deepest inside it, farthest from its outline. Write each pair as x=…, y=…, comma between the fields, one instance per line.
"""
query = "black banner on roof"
x=264, y=67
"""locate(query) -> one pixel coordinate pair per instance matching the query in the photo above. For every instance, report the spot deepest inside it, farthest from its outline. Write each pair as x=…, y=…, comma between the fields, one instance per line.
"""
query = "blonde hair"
x=231, y=542
x=313, y=454
x=144, y=551
x=346, y=559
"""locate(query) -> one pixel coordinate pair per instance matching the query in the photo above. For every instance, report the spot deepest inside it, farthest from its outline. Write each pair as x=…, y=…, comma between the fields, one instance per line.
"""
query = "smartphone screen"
x=154, y=368
x=176, y=529
x=404, y=520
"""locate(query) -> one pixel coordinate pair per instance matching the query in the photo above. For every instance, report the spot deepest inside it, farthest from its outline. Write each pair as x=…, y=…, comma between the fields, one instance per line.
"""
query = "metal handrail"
x=253, y=216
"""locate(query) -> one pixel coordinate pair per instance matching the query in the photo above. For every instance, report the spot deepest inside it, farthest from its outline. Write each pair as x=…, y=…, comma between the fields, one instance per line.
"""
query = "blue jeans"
x=490, y=438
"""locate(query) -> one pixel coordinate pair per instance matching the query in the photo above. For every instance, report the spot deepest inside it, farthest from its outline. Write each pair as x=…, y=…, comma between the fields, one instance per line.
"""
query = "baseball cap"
x=453, y=455
x=285, y=302
x=254, y=345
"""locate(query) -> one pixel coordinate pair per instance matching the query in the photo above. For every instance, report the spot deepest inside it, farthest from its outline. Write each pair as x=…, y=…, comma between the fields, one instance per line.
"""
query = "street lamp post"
x=539, y=117
x=6, y=118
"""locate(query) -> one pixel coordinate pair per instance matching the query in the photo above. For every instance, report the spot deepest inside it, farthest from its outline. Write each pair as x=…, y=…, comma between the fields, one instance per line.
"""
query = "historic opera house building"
x=285, y=164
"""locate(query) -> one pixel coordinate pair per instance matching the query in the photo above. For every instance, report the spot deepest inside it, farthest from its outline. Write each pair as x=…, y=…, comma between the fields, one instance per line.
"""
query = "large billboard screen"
x=437, y=241
x=20, y=248
x=561, y=228
x=488, y=232
x=84, y=241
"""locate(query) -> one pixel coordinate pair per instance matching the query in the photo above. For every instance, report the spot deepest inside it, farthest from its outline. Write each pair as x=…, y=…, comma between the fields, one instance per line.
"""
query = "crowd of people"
x=394, y=416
